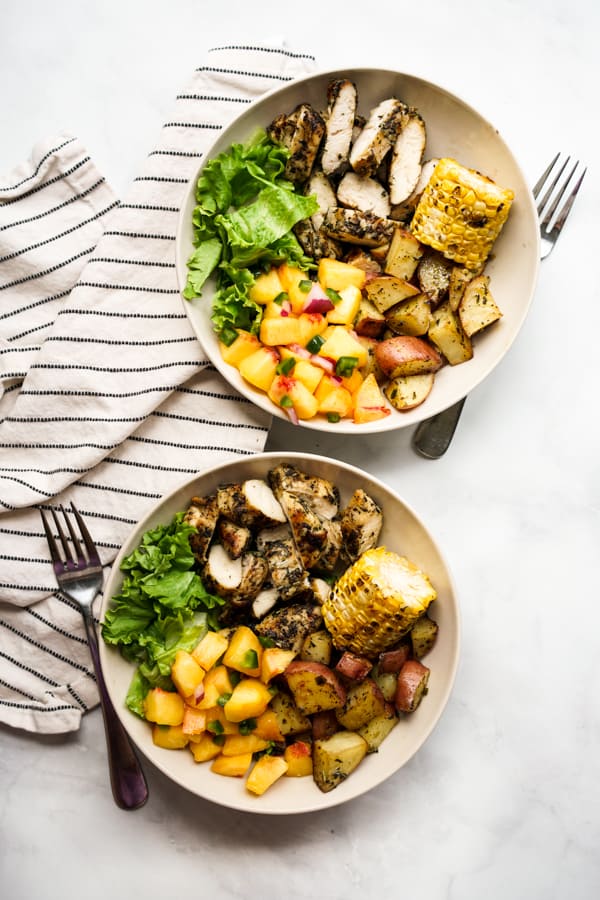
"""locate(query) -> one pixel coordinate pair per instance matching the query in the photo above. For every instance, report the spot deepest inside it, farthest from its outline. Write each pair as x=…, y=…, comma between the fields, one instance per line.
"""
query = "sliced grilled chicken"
x=361, y=524
x=330, y=552
x=433, y=274
x=255, y=571
x=301, y=133
x=364, y=193
x=251, y=504
x=286, y=571
x=266, y=536
x=319, y=185
x=308, y=529
x=203, y=514
x=287, y=627
x=234, y=538
x=342, y=100
x=264, y=602
x=378, y=136
x=354, y=227
x=321, y=495
x=404, y=211
x=222, y=575
x=315, y=243
x=321, y=590
x=407, y=157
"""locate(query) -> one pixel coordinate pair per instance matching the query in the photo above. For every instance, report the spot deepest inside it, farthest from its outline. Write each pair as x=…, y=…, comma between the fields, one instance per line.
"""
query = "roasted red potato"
x=352, y=666
x=324, y=724
x=315, y=687
x=412, y=685
x=393, y=660
x=407, y=355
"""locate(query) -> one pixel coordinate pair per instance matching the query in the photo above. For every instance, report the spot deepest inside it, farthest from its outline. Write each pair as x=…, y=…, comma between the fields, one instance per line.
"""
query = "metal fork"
x=79, y=576
x=433, y=436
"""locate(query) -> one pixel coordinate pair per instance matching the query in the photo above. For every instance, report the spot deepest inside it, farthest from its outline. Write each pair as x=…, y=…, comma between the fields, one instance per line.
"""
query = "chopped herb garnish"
x=223, y=698
x=346, y=365
x=218, y=739
x=315, y=343
x=234, y=677
x=280, y=298
x=215, y=727
x=286, y=366
x=305, y=285
x=266, y=641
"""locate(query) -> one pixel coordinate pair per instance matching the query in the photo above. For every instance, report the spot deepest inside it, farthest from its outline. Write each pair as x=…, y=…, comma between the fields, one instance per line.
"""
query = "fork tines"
x=84, y=535
x=556, y=188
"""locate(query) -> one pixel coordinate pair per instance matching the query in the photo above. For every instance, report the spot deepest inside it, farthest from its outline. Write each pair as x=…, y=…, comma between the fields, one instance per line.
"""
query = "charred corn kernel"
x=461, y=213
x=376, y=601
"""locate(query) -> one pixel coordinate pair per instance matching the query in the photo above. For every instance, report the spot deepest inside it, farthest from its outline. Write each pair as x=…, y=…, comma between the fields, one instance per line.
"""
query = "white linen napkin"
x=106, y=397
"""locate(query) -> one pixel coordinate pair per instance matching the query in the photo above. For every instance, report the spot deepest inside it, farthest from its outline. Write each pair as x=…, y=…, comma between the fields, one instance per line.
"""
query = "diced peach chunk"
x=234, y=766
x=281, y=330
x=244, y=653
x=186, y=674
x=170, y=737
x=194, y=720
x=216, y=683
x=286, y=391
x=339, y=342
x=267, y=771
x=244, y=344
x=210, y=649
x=243, y=743
x=275, y=660
x=205, y=748
x=267, y=726
x=299, y=759
x=164, y=707
x=308, y=374
x=259, y=368
x=345, y=311
x=369, y=403
x=249, y=699
x=266, y=287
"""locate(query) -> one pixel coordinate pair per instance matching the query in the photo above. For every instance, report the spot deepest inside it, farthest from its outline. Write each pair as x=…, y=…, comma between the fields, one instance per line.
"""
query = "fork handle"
x=433, y=436
x=127, y=780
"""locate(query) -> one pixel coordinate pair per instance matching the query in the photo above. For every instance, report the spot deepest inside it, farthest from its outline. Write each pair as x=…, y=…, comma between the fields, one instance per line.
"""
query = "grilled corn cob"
x=376, y=601
x=461, y=213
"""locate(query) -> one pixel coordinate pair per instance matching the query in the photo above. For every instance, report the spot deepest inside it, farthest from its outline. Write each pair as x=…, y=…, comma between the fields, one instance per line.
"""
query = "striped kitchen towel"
x=106, y=396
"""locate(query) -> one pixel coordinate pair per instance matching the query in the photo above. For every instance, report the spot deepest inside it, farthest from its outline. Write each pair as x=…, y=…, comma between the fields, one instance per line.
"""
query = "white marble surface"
x=504, y=799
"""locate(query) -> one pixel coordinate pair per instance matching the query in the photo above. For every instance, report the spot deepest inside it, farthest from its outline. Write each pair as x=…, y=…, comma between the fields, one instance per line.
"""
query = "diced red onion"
x=300, y=351
x=323, y=362
x=292, y=415
x=199, y=693
x=317, y=300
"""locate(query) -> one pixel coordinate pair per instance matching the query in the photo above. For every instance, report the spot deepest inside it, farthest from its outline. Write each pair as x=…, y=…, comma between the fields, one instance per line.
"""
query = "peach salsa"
x=348, y=266
x=272, y=634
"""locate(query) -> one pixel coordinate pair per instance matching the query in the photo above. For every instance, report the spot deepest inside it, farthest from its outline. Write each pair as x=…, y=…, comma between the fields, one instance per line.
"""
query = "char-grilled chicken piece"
x=351, y=226
x=203, y=515
x=317, y=539
x=274, y=533
x=363, y=193
x=287, y=627
x=236, y=580
x=332, y=547
x=361, y=524
x=321, y=495
x=235, y=538
x=319, y=185
x=342, y=100
x=251, y=504
x=404, y=210
x=407, y=158
x=264, y=602
x=301, y=133
x=378, y=136
x=314, y=242
x=286, y=571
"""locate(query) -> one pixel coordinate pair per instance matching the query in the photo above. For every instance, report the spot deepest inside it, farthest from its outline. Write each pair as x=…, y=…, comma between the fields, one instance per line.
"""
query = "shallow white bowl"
x=453, y=129
x=402, y=532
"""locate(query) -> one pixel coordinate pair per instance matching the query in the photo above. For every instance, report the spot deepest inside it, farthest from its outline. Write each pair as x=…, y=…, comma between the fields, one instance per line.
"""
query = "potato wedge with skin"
x=406, y=355
x=387, y=682
x=363, y=701
x=336, y=758
x=377, y=729
x=459, y=279
x=369, y=322
x=447, y=334
x=409, y=391
x=403, y=255
x=317, y=647
x=392, y=660
x=324, y=724
x=413, y=679
x=410, y=317
x=423, y=636
x=314, y=687
x=352, y=666
x=289, y=718
x=387, y=290
x=477, y=308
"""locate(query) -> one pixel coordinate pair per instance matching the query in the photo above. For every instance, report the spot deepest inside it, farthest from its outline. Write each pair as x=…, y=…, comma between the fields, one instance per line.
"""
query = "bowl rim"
x=432, y=406
x=109, y=653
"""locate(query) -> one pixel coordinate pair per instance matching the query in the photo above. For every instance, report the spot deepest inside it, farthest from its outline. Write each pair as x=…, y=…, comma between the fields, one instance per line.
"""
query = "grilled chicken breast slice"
x=351, y=226
x=407, y=158
x=287, y=627
x=342, y=100
x=361, y=524
x=286, y=572
x=319, y=185
x=203, y=515
x=236, y=580
x=308, y=529
x=234, y=538
x=302, y=135
x=377, y=137
x=251, y=504
x=320, y=494
x=315, y=243
x=364, y=193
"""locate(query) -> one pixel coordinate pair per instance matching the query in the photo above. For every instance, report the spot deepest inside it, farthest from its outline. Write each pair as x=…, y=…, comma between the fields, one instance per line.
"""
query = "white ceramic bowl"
x=402, y=532
x=453, y=129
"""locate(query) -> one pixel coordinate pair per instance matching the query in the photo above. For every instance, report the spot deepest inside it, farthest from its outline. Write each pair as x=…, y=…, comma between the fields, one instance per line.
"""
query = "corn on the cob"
x=376, y=601
x=461, y=213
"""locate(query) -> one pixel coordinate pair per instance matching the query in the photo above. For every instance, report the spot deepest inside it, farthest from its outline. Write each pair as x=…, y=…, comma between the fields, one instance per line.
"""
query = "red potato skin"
x=393, y=660
x=316, y=672
x=412, y=679
x=395, y=353
x=324, y=725
x=354, y=667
